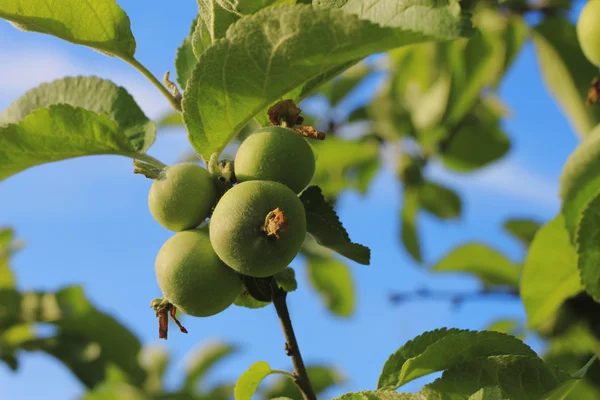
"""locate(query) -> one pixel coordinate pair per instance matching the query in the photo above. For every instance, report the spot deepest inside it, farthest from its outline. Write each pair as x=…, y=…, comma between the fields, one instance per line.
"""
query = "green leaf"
x=359, y=114
x=186, y=60
x=57, y=133
x=100, y=24
x=83, y=356
x=515, y=35
x=171, y=119
x=439, y=200
x=566, y=71
x=488, y=393
x=550, y=274
x=427, y=109
x=415, y=15
x=10, y=360
x=444, y=349
x=408, y=229
x=324, y=224
x=522, y=229
x=94, y=94
x=471, y=64
x=266, y=55
x=383, y=395
x=155, y=360
x=321, y=378
x=489, y=265
x=116, y=391
x=561, y=392
x=391, y=120
x=576, y=340
x=286, y=279
x=6, y=238
x=251, y=6
x=257, y=292
x=220, y=392
x=7, y=278
x=333, y=281
x=477, y=141
x=82, y=330
x=11, y=339
x=248, y=383
x=508, y=33
x=508, y=326
x=214, y=18
x=246, y=300
x=519, y=377
x=339, y=163
x=588, y=254
x=202, y=360
x=579, y=181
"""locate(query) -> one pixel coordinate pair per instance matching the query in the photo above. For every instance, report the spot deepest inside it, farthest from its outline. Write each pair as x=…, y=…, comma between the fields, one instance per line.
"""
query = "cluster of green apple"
x=588, y=31
x=256, y=227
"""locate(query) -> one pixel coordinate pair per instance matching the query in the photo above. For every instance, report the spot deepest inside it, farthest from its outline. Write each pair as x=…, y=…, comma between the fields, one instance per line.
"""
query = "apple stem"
x=291, y=345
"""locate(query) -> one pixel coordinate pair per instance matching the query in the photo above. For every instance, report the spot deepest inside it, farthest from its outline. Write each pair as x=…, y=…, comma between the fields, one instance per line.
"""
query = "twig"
x=291, y=345
x=457, y=298
x=175, y=102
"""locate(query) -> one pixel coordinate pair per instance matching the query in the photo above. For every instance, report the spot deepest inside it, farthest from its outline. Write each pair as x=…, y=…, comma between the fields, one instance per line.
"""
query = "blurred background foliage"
x=422, y=105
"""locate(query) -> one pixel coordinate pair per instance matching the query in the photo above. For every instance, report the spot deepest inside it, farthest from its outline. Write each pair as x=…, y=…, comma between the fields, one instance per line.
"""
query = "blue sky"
x=86, y=222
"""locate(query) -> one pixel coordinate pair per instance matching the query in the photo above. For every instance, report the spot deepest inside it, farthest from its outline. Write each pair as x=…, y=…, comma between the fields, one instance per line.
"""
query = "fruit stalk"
x=291, y=345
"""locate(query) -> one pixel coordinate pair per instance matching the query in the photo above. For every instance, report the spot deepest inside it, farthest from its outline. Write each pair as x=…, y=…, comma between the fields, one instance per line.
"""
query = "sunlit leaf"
x=248, y=383
x=489, y=265
x=100, y=96
x=333, y=281
x=57, y=133
x=520, y=377
x=202, y=360
x=408, y=228
x=82, y=330
x=7, y=278
x=264, y=56
x=579, y=181
x=522, y=229
x=439, y=200
x=588, y=254
x=444, y=349
x=100, y=24
x=477, y=141
x=215, y=17
x=321, y=378
x=186, y=60
x=471, y=63
x=339, y=164
x=550, y=274
x=566, y=71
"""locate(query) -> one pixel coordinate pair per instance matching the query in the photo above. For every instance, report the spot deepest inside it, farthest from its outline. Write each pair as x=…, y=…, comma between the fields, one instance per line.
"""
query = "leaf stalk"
x=174, y=101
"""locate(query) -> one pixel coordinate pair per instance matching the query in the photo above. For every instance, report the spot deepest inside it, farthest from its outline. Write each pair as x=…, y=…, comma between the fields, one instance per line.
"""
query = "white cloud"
x=21, y=70
x=508, y=178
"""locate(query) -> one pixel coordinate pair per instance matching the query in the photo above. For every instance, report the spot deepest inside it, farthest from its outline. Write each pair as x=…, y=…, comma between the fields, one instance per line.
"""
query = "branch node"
x=288, y=349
